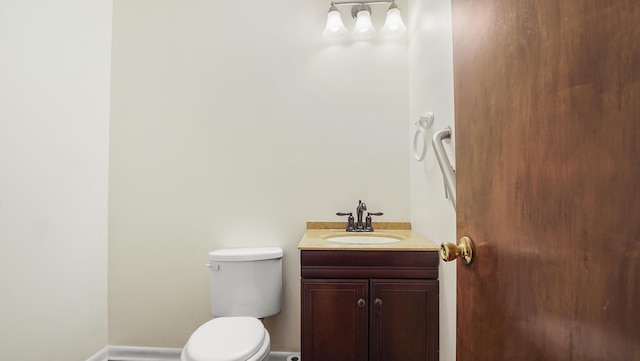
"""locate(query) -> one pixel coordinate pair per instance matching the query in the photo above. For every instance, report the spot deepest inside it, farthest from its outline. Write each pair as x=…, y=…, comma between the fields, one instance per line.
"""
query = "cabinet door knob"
x=378, y=302
x=361, y=302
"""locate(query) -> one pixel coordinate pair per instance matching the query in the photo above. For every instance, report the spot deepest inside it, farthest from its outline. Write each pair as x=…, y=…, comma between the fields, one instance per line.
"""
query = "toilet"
x=245, y=285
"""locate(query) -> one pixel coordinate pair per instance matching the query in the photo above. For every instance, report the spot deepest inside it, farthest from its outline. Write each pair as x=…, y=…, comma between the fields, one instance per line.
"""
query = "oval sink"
x=363, y=239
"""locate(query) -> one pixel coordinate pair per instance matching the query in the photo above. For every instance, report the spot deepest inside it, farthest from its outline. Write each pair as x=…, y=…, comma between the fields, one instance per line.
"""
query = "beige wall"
x=431, y=90
x=54, y=117
x=233, y=123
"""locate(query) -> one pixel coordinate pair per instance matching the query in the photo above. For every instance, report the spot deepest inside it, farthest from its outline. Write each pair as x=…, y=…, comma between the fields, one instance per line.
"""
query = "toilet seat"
x=228, y=339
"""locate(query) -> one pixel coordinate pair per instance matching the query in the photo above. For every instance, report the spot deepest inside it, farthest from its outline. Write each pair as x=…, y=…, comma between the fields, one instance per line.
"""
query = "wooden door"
x=547, y=103
x=403, y=320
x=335, y=319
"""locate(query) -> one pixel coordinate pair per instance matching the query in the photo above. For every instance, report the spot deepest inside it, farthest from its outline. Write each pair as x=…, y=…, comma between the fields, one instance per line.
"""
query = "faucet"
x=359, y=209
x=359, y=227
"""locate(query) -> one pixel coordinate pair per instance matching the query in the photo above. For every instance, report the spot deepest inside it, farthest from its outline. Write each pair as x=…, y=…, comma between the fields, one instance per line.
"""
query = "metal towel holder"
x=422, y=124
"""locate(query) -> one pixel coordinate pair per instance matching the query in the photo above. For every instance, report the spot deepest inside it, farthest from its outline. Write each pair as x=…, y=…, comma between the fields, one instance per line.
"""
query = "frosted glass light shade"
x=335, y=28
x=364, y=27
x=393, y=25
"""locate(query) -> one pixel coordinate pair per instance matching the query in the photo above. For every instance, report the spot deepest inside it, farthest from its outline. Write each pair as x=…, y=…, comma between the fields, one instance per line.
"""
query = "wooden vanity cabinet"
x=369, y=305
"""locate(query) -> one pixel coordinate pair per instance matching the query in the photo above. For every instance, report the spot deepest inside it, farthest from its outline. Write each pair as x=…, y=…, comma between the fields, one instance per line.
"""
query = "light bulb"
x=335, y=28
x=393, y=25
x=364, y=27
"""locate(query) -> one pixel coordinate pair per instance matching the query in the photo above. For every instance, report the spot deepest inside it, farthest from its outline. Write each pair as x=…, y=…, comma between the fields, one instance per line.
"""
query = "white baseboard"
x=128, y=353
x=101, y=355
x=131, y=353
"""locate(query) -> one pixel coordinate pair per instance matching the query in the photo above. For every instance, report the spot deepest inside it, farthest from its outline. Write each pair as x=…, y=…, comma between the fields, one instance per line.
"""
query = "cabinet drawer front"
x=369, y=264
x=335, y=320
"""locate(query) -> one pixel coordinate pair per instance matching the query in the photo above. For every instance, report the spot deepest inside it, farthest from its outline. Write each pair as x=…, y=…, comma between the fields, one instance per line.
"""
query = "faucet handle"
x=368, y=227
x=350, y=225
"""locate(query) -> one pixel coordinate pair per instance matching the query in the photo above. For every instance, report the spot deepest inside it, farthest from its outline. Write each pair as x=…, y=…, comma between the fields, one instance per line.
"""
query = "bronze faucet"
x=359, y=227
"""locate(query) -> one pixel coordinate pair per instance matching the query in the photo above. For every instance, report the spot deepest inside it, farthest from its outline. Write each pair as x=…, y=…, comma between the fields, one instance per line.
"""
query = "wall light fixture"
x=364, y=29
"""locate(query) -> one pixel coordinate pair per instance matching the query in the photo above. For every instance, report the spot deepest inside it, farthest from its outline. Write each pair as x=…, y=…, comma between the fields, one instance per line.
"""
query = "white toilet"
x=246, y=284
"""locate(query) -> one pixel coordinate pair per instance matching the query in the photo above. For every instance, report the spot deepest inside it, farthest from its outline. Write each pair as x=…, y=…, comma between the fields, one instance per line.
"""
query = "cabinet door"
x=334, y=320
x=404, y=320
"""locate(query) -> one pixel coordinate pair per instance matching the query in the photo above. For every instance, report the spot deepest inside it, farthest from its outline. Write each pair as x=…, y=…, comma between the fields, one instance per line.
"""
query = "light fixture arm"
x=356, y=8
x=362, y=2
x=361, y=5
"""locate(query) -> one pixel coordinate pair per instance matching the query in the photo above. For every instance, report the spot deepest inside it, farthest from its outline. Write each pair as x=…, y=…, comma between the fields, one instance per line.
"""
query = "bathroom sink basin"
x=363, y=239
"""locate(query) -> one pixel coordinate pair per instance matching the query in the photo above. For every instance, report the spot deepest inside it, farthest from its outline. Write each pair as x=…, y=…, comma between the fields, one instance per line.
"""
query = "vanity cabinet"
x=369, y=305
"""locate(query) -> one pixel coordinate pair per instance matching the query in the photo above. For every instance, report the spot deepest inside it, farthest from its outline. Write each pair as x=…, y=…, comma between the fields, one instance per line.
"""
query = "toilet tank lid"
x=245, y=254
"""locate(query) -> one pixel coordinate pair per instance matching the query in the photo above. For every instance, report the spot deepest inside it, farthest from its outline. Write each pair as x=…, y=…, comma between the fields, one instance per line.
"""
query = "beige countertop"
x=317, y=232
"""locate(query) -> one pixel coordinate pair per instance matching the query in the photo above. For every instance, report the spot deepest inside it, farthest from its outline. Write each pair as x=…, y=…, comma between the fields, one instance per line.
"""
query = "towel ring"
x=422, y=124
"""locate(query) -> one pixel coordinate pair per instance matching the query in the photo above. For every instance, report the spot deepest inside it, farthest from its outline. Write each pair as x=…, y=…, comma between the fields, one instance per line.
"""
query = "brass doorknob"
x=464, y=249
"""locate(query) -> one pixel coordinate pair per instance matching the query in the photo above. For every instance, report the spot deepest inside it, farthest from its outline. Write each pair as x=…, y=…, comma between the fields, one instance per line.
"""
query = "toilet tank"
x=246, y=281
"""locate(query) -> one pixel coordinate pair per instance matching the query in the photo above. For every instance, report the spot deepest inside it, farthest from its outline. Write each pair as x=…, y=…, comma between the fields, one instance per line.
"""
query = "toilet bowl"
x=228, y=339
